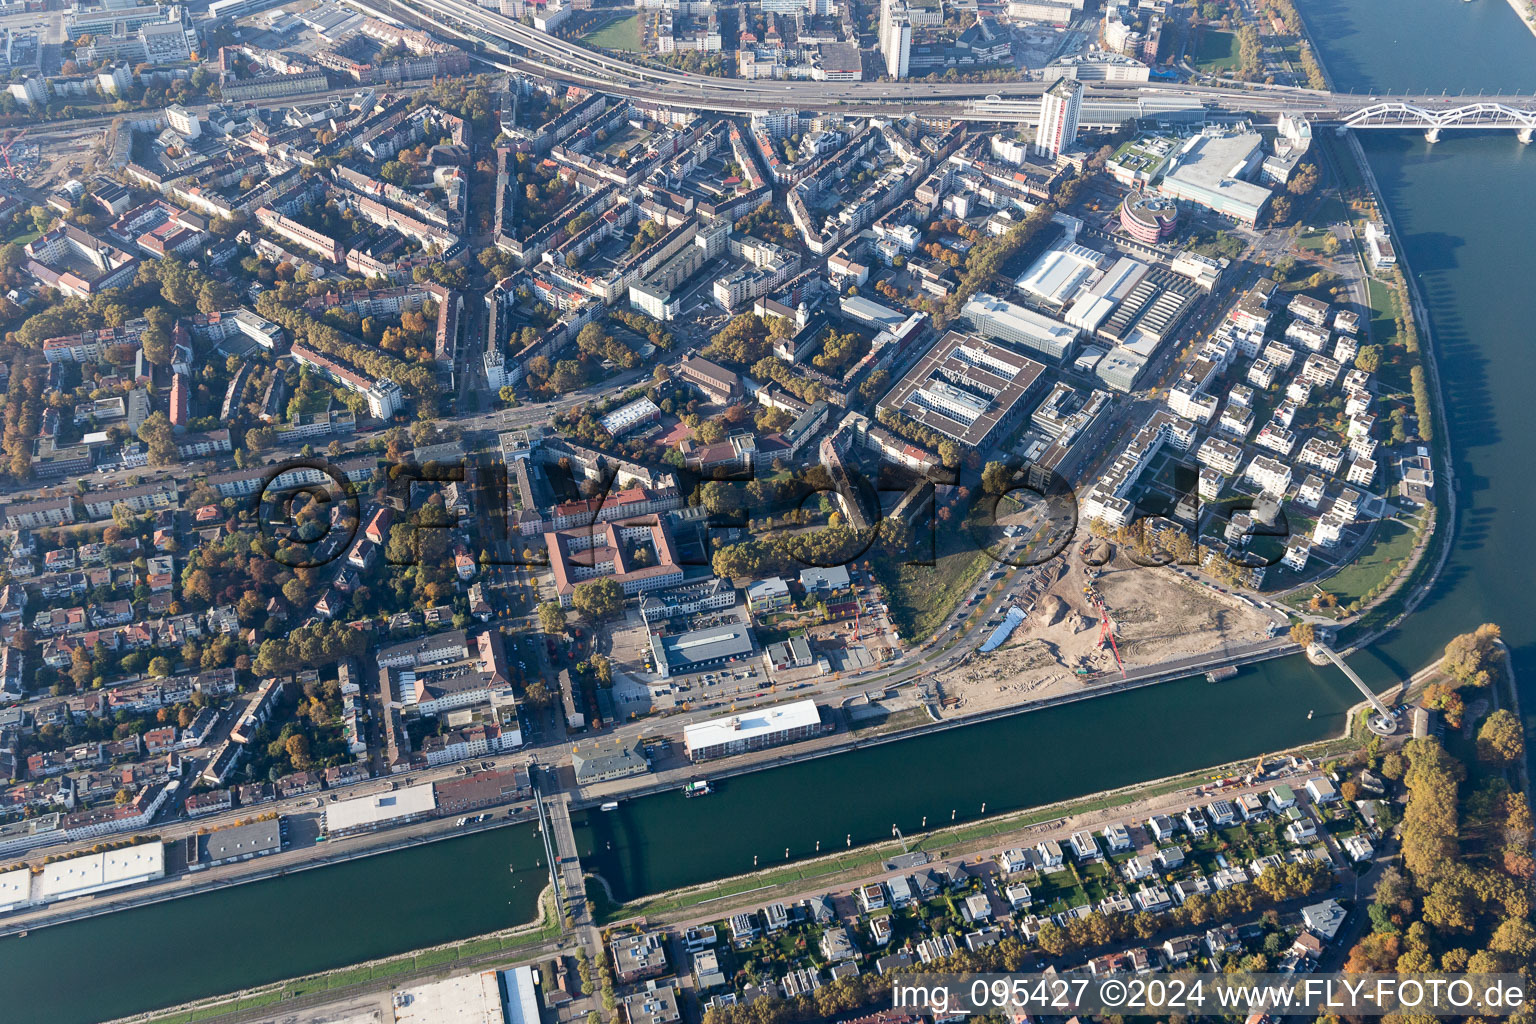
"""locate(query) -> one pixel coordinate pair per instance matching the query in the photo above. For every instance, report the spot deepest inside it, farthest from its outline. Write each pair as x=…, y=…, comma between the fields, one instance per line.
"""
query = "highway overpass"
x=511, y=45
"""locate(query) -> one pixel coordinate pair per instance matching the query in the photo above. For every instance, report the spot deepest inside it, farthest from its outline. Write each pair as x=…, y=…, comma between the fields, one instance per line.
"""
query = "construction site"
x=1082, y=625
x=20, y=156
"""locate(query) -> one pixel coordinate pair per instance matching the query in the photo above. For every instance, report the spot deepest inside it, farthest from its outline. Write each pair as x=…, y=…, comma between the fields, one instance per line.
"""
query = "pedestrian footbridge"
x=1384, y=720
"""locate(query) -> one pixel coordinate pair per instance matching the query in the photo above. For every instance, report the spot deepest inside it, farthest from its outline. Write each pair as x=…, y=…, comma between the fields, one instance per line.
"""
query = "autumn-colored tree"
x=1430, y=829
x=1375, y=953
x=1501, y=741
x=1472, y=658
x=297, y=747
x=552, y=618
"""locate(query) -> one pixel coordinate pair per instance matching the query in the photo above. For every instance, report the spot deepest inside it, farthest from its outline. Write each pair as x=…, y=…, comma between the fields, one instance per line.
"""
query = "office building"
x=968, y=389
x=993, y=317
x=752, y=730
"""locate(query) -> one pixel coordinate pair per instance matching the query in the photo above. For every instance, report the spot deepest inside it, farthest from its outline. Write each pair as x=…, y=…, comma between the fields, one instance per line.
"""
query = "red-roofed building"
x=378, y=527
x=625, y=504
x=611, y=549
x=181, y=403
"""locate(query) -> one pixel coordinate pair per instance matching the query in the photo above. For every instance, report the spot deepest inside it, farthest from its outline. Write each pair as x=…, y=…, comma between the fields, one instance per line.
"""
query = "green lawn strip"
x=1330, y=209
x=1352, y=181
x=1312, y=239
x=355, y=976
x=1387, y=609
x=1393, y=374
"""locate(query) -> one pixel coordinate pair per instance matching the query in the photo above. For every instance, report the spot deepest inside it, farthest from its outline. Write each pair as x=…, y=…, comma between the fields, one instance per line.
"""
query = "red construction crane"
x=5, y=150
x=1105, y=632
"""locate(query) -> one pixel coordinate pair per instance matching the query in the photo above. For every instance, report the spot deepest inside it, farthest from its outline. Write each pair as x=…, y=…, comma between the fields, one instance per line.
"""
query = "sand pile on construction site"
x=1050, y=610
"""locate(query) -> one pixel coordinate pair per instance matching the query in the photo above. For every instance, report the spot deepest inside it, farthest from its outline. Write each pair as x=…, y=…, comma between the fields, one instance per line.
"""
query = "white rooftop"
x=1059, y=272
x=626, y=416
x=95, y=872
x=15, y=888
x=1044, y=331
x=467, y=999
x=379, y=807
x=1212, y=163
x=757, y=722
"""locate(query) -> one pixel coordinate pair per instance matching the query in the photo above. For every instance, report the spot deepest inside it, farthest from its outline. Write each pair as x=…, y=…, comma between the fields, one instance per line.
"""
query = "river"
x=1463, y=210
x=1464, y=215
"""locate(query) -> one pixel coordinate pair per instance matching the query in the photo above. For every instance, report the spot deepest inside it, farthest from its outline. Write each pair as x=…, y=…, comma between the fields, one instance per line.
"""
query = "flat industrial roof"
x=1059, y=272
x=379, y=807
x=702, y=645
x=869, y=310
x=1206, y=163
x=96, y=871
x=15, y=887
x=245, y=840
x=757, y=722
x=522, y=1005
x=466, y=999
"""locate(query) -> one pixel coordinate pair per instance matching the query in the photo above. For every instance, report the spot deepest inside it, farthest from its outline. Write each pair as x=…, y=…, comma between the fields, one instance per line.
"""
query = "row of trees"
x=835, y=544
x=987, y=256
x=1285, y=10
x=919, y=434
x=23, y=413
x=325, y=338
x=1423, y=407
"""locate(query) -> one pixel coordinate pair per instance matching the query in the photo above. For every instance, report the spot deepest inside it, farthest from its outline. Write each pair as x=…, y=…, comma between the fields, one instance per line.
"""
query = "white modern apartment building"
x=1060, y=109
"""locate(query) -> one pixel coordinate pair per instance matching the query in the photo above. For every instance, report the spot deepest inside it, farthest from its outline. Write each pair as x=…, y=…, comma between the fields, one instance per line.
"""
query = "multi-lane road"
x=1106, y=102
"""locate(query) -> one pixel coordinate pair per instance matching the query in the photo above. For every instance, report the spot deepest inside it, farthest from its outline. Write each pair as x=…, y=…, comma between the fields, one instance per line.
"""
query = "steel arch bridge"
x=1483, y=114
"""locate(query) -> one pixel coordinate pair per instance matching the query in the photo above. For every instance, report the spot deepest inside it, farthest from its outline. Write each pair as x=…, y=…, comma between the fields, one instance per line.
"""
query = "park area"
x=1390, y=544
x=920, y=597
x=1217, y=51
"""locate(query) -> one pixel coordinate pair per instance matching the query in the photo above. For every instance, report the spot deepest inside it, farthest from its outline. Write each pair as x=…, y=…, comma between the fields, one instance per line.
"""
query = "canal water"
x=665, y=841
x=246, y=935
x=1463, y=209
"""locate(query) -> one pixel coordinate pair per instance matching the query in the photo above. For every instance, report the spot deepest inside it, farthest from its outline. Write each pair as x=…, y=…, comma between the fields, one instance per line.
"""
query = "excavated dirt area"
x=1156, y=615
